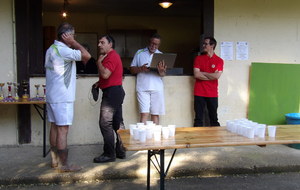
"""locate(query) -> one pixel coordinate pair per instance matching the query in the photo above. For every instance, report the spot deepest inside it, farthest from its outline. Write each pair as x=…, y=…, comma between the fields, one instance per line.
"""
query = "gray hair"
x=64, y=28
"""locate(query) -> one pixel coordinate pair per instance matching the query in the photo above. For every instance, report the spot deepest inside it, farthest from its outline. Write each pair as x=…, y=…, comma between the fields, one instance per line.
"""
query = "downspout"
x=14, y=44
x=14, y=41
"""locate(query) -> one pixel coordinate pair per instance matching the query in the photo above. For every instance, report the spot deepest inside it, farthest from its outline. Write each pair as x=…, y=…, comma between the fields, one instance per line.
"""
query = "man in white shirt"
x=60, y=94
x=149, y=84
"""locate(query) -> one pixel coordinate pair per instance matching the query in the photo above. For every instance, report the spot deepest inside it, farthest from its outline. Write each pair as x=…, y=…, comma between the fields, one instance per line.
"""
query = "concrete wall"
x=8, y=116
x=85, y=129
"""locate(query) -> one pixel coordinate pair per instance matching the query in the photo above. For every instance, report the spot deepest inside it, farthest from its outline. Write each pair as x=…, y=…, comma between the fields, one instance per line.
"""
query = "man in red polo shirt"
x=110, y=71
x=208, y=68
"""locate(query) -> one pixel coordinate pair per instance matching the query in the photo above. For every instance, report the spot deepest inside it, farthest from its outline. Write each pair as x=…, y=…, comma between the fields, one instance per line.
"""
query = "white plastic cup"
x=259, y=126
x=256, y=127
x=131, y=127
x=136, y=134
x=261, y=132
x=165, y=132
x=243, y=130
x=233, y=128
x=250, y=132
x=142, y=135
x=140, y=124
x=272, y=131
x=149, y=132
x=157, y=133
x=229, y=125
x=149, y=123
x=238, y=128
x=172, y=129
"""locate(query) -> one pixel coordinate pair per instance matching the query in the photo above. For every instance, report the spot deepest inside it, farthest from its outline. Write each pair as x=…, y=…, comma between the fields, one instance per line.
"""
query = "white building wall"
x=272, y=29
x=8, y=116
x=85, y=128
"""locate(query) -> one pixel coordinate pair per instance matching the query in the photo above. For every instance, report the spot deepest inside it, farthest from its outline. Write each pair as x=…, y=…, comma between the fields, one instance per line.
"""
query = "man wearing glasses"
x=208, y=68
x=149, y=84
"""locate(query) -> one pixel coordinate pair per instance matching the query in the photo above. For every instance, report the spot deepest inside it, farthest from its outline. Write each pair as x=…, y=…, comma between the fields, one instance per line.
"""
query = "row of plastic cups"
x=246, y=128
x=249, y=128
x=143, y=132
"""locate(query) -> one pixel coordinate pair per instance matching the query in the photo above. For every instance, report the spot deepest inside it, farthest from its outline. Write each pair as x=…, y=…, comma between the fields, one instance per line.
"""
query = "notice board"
x=274, y=92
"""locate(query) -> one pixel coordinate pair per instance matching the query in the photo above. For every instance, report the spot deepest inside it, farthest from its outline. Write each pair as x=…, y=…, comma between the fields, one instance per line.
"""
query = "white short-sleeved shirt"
x=61, y=73
x=150, y=81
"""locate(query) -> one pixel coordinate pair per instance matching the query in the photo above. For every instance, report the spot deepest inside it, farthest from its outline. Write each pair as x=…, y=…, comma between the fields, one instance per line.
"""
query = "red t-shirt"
x=207, y=88
x=113, y=63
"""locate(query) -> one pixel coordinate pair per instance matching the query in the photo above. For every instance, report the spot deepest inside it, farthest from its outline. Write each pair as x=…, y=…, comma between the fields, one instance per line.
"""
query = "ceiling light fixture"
x=64, y=12
x=165, y=3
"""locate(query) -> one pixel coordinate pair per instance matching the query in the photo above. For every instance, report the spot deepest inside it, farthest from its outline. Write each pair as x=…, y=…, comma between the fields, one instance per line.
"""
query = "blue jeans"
x=111, y=119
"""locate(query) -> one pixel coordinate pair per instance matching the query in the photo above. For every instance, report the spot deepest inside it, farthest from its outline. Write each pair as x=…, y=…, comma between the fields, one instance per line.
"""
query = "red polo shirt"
x=207, y=88
x=113, y=63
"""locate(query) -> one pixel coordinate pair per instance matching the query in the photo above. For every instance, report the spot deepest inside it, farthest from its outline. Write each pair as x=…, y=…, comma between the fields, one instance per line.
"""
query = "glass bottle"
x=44, y=89
x=1, y=91
x=16, y=87
x=9, y=95
x=37, y=86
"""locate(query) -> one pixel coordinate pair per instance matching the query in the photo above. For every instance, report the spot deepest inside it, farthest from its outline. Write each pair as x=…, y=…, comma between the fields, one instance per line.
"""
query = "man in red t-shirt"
x=208, y=68
x=110, y=71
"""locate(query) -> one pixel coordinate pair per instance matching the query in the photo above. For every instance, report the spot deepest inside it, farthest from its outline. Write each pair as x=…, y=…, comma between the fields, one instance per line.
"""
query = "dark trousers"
x=111, y=119
x=199, y=107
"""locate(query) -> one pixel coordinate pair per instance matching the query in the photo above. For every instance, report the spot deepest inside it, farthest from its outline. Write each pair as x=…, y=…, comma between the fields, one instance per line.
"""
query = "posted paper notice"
x=227, y=51
x=242, y=51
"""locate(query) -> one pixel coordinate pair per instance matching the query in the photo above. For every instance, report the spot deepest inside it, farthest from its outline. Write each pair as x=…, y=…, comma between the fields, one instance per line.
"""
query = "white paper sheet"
x=242, y=51
x=227, y=51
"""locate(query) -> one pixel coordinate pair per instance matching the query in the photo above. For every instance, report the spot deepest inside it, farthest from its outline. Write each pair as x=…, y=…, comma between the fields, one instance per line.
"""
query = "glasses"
x=154, y=44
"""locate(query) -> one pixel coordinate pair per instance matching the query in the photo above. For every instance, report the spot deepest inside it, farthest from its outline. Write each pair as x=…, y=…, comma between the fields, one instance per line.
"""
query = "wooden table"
x=195, y=137
x=42, y=114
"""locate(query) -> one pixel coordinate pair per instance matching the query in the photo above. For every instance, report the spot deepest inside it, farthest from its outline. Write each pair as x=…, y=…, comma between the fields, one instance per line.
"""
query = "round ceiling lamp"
x=165, y=3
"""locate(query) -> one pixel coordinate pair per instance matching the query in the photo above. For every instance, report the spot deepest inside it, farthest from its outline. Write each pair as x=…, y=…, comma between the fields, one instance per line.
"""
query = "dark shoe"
x=103, y=159
x=121, y=156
